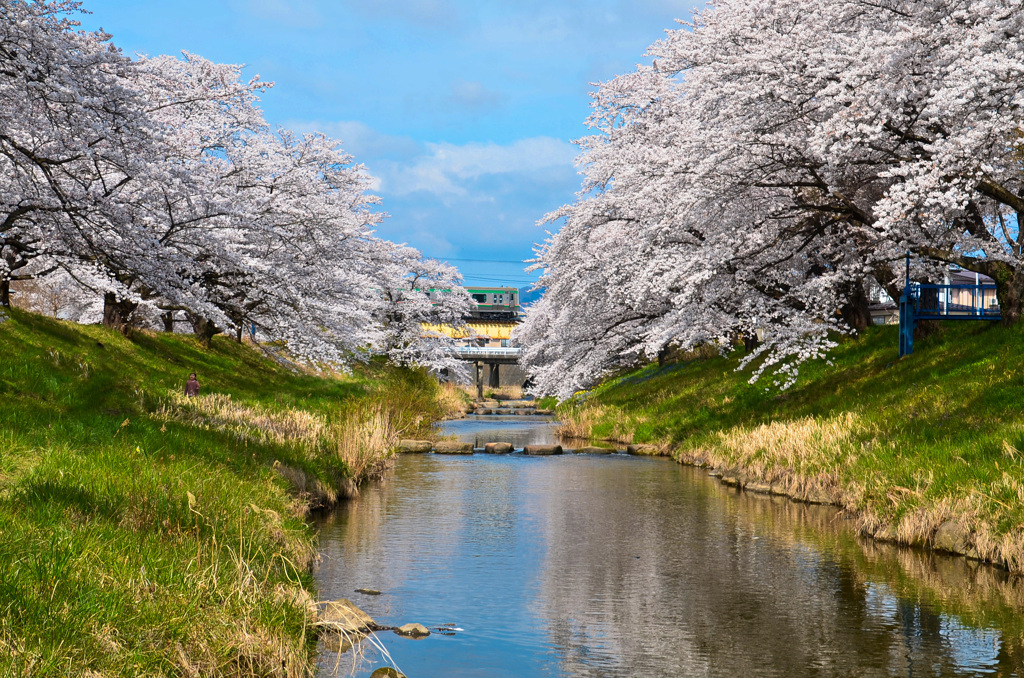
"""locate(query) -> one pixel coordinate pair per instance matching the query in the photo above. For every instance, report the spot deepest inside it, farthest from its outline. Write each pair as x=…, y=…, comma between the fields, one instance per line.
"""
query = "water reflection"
x=518, y=430
x=620, y=566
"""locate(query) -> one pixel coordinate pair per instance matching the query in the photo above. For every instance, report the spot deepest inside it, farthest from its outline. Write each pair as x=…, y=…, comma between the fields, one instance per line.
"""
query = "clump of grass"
x=452, y=400
x=249, y=422
x=366, y=441
x=580, y=422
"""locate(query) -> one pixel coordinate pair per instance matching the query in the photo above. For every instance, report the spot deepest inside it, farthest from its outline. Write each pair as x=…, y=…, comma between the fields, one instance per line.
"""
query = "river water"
x=611, y=565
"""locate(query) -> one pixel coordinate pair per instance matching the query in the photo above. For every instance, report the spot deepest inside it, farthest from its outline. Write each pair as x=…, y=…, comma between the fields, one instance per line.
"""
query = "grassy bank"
x=924, y=451
x=145, y=534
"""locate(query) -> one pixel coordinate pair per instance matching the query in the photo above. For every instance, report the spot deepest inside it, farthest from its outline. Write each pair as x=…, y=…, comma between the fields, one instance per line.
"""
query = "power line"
x=485, y=261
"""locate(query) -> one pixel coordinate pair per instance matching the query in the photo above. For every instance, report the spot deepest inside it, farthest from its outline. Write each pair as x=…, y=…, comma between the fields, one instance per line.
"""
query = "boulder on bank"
x=591, y=449
x=542, y=449
x=498, y=448
x=417, y=446
x=413, y=630
x=951, y=536
x=453, y=447
x=343, y=616
x=644, y=450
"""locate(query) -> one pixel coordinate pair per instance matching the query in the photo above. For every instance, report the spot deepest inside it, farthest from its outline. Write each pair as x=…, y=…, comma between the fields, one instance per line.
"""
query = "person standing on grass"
x=191, y=386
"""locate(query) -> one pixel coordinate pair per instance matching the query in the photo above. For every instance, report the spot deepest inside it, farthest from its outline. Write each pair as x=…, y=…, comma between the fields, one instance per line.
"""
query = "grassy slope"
x=907, y=445
x=139, y=543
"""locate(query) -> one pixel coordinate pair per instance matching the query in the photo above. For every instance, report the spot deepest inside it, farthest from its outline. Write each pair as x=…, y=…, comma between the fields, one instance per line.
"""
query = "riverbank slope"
x=924, y=450
x=142, y=533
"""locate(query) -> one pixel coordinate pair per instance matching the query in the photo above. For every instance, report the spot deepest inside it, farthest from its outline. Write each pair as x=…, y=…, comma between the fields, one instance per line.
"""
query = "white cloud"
x=446, y=168
x=360, y=139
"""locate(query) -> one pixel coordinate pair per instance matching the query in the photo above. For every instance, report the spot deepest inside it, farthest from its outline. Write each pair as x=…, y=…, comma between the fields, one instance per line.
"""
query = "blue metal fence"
x=926, y=301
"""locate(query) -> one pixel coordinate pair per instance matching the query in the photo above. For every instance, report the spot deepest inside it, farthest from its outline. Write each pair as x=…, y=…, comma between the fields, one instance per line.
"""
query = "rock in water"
x=542, y=449
x=498, y=448
x=414, y=445
x=387, y=672
x=644, y=450
x=368, y=592
x=595, y=450
x=343, y=615
x=413, y=630
x=453, y=447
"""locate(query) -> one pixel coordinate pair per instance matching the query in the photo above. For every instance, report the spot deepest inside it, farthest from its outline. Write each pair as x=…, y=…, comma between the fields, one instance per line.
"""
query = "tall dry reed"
x=366, y=440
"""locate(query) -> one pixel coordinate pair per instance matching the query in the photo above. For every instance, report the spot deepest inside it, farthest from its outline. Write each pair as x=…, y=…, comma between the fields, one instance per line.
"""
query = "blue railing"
x=926, y=301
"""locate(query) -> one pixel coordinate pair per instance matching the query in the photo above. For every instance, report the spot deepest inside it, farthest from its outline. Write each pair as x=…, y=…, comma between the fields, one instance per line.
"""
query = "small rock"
x=414, y=446
x=644, y=450
x=453, y=447
x=542, y=449
x=413, y=630
x=595, y=450
x=498, y=448
x=731, y=481
x=760, y=488
x=343, y=615
x=387, y=672
x=368, y=592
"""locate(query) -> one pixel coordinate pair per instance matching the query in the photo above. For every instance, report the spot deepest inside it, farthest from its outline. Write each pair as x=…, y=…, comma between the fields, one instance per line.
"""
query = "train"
x=493, y=303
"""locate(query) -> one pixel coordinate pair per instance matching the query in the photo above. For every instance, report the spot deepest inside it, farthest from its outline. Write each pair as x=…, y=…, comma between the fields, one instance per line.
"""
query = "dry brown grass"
x=364, y=437
x=452, y=399
x=578, y=423
x=247, y=421
x=513, y=392
x=366, y=440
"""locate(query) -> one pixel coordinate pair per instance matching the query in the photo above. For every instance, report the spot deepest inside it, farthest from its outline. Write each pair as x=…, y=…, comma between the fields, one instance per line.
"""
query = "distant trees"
x=773, y=160
x=157, y=185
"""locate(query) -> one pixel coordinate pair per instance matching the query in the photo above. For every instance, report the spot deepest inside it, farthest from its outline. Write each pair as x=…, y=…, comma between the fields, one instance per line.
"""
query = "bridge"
x=491, y=356
x=926, y=301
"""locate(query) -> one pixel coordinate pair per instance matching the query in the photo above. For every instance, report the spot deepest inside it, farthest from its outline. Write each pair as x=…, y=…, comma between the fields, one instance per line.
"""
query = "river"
x=612, y=565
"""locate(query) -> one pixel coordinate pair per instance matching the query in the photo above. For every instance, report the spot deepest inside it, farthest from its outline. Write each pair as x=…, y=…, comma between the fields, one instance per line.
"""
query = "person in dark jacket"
x=192, y=386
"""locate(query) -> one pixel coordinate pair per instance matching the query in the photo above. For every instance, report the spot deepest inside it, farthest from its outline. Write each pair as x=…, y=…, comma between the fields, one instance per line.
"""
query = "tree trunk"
x=168, y=320
x=204, y=329
x=856, y=312
x=750, y=342
x=1010, y=289
x=238, y=333
x=5, y=293
x=118, y=313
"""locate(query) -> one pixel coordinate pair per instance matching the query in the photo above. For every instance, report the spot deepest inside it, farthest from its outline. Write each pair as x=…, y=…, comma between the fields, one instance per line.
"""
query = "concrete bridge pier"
x=494, y=378
x=478, y=375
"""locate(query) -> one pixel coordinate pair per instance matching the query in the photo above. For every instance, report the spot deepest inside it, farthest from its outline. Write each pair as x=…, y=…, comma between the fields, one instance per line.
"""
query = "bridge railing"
x=940, y=302
x=487, y=352
x=928, y=301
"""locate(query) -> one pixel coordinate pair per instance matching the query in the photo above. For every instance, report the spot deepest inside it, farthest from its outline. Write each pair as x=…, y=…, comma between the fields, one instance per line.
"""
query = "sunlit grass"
x=142, y=533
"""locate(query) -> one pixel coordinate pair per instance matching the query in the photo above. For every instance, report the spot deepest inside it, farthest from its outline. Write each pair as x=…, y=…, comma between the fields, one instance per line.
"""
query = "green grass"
x=136, y=539
x=906, y=445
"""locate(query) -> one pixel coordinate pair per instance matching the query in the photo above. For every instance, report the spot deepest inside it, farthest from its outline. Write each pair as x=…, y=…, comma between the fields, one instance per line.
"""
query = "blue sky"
x=464, y=112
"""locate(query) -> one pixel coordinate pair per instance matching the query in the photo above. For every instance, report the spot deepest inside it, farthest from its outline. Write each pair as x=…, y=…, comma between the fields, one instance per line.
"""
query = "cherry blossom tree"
x=773, y=160
x=157, y=185
x=68, y=124
x=417, y=292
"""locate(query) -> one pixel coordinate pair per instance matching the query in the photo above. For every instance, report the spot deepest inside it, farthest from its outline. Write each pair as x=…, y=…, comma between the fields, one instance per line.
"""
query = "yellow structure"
x=487, y=330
